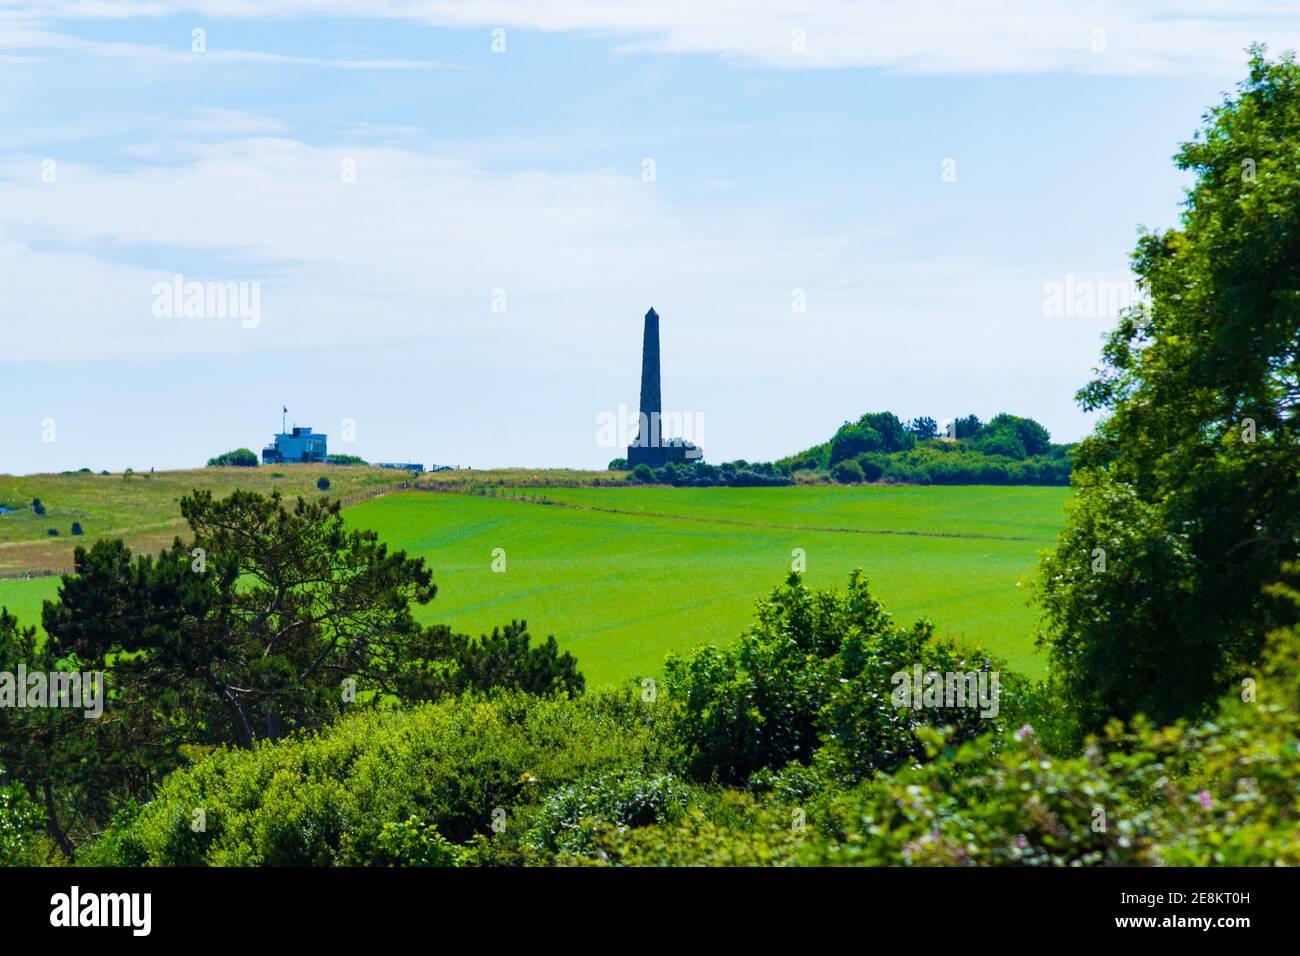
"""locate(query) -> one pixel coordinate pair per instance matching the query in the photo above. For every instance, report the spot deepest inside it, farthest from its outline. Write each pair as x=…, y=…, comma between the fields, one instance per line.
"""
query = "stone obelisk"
x=647, y=447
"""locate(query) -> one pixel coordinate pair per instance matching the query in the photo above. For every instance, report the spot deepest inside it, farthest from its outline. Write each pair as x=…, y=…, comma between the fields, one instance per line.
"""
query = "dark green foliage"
x=259, y=630
x=1009, y=450
x=923, y=428
x=76, y=529
x=847, y=472
x=1005, y=443
x=873, y=469
x=874, y=431
x=52, y=532
x=617, y=464
x=643, y=474
x=572, y=815
x=239, y=458
x=368, y=789
x=817, y=670
x=22, y=827
x=441, y=663
x=1219, y=793
x=1190, y=483
x=732, y=474
x=968, y=427
x=38, y=506
x=1032, y=437
x=323, y=483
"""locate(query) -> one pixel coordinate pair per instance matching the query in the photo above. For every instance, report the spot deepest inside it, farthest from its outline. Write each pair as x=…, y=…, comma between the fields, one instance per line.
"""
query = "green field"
x=143, y=508
x=622, y=576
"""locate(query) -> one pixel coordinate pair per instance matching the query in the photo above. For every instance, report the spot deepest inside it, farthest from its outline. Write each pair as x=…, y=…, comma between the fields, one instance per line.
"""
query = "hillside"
x=144, y=507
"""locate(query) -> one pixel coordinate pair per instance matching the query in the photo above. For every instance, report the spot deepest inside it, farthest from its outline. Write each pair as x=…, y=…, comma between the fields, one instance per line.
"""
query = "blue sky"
x=786, y=165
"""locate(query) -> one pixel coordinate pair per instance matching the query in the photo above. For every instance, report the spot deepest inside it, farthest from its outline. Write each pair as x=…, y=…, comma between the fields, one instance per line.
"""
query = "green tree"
x=239, y=458
x=441, y=663
x=923, y=428
x=257, y=620
x=1189, y=484
x=1035, y=439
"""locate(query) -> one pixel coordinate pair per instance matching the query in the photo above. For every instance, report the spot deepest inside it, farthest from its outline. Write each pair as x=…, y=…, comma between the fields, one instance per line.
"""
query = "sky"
x=447, y=219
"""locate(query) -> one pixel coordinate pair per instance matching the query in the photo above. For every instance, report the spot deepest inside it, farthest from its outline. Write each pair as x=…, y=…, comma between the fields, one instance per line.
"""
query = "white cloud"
x=409, y=255
x=910, y=36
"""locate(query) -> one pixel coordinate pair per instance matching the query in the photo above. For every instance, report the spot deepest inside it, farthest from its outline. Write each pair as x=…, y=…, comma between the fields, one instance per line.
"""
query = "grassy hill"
x=620, y=575
x=144, y=508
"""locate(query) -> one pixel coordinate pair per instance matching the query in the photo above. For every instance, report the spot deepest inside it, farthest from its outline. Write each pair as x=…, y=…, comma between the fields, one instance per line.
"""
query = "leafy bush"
x=239, y=458
x=820, y=670
x=326, y=799
x=38, y=506
x=732, y=474
x=872, y=468
x=570, y=816
x=1218, y=793
x=1004, y=442
x=323, y=483
x=76, y=529
x=643, y=474
x=411, y=843
x=22, y=831
x=1009, y=450
x=847, y=472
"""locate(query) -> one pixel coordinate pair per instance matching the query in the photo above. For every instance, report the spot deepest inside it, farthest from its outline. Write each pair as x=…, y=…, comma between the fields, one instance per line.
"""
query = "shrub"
x=643, y=474
x=571, y=815
x=38, y=506
x=617, y=464
x=847, y=472
x=323, y=483
x=1002, y=442
x=239, y=458
x=76, y=528
x=872, y=468
x=820, y=670
x=349, y=795
x=22, y=831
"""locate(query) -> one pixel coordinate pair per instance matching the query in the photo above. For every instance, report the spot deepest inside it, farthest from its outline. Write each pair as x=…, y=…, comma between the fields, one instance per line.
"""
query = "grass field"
x=623, y=575
x=143, y=508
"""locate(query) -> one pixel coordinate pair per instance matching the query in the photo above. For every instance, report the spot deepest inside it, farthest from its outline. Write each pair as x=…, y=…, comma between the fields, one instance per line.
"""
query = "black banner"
x=339, y=905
